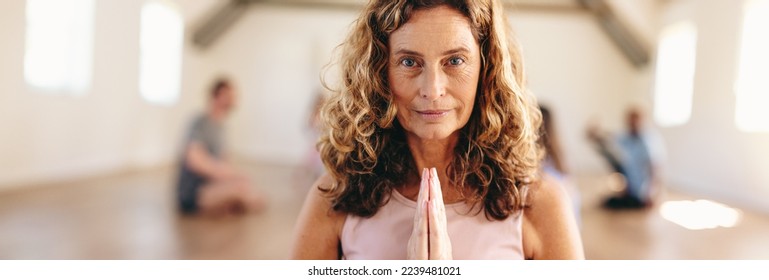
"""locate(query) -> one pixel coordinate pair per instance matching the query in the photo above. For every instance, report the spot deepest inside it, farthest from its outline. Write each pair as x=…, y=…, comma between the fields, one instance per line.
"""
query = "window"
x=752, y=85
x=59, y=45
x=162, y=36
x=674, y=78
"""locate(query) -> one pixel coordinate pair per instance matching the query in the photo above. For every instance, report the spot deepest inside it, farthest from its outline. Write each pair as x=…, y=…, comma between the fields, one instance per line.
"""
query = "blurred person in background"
x=312, y=167
x=636, y=155
x=554, y=164
x=208, y=182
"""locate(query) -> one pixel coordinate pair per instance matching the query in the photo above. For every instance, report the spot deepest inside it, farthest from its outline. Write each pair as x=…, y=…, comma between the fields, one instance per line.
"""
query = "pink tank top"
x=385, y=235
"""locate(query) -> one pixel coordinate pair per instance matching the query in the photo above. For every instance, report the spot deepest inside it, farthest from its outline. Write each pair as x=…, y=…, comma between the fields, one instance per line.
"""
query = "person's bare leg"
x=230, y=197
x=254, y=201
x=251, y=199
x=218, y=198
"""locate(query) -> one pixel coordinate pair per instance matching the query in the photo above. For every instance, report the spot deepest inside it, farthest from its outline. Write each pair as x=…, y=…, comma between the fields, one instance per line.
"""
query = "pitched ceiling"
x=211, y=18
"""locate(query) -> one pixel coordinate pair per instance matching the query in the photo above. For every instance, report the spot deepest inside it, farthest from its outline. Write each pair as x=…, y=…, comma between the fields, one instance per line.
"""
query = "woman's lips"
x=432, y=115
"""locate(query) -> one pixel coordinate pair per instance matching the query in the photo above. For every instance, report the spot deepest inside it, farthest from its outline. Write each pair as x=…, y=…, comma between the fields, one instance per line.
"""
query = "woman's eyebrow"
x=448, y=52
x=456, y=50
x=408, y=52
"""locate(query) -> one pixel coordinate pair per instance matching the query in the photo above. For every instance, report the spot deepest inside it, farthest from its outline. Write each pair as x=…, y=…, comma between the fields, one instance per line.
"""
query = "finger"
x=424, y=239
x=422, y=212
x=436, y=219
x=418, y=242
x=435, y=186
x=424, y=185
x=439, y=243
x=422, y=198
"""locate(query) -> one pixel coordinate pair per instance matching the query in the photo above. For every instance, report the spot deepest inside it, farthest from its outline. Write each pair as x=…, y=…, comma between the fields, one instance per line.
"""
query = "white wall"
x=49, y=137
x=709, y=155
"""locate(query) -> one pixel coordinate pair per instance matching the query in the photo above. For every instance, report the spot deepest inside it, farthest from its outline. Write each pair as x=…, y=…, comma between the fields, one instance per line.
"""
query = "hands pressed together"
x=430, y=238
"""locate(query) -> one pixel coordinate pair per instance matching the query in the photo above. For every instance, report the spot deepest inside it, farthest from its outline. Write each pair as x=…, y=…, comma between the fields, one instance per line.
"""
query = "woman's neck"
x=436, y=154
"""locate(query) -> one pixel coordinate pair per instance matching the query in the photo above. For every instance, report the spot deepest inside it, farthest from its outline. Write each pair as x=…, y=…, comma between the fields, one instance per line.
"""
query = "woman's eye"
x=408, y=62
x=456, y=61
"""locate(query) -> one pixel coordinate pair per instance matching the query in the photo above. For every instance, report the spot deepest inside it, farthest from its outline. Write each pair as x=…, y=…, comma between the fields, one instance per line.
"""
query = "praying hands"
x=429, y=238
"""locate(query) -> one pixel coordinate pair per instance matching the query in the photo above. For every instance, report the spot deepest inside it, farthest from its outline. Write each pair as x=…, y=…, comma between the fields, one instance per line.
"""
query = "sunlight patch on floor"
x=700, y=214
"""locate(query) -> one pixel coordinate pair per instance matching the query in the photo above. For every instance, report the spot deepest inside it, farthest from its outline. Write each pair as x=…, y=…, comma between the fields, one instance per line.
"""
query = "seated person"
x=207, y=182
x=553, y=163
x=631, y=154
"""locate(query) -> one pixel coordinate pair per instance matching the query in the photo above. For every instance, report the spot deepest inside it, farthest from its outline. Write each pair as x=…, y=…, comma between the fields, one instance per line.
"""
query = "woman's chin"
x=433, y=135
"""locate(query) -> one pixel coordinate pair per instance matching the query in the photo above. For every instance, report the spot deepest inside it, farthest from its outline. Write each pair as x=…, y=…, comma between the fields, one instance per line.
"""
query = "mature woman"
x=430, y=145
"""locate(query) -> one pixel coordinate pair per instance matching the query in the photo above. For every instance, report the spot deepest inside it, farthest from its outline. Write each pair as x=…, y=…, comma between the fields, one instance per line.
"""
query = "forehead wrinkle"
x=434, y=32
x=458, y=47
x=417, y=46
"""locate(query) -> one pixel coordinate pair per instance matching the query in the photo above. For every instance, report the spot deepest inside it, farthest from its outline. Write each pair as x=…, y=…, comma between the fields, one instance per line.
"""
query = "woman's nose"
x=433, y=84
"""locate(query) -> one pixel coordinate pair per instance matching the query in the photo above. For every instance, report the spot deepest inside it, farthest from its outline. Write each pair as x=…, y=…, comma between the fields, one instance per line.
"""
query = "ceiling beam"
x=629, y=43
x=218, y=22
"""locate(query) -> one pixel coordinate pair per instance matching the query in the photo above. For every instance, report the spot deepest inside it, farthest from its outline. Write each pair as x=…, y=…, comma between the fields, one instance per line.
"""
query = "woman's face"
x=433, y=72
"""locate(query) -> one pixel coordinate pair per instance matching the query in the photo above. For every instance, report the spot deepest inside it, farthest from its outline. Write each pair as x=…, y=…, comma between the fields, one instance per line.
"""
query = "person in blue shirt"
x=632, y=155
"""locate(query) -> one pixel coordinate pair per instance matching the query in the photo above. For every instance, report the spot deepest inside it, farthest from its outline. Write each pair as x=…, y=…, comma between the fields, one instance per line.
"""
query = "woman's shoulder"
x=546, y=201
x=318, y=227
x=318, y=200
x=546, y=197
x=550, y=230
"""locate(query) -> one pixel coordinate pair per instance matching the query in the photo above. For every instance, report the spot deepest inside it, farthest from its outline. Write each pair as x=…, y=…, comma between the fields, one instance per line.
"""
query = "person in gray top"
x=207, y=182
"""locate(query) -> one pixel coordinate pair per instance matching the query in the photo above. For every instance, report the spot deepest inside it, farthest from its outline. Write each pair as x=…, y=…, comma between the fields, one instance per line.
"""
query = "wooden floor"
x=132, y=216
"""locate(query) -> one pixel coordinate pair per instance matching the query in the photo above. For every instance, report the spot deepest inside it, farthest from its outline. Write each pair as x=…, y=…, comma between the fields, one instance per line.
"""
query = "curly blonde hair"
x=363, y=146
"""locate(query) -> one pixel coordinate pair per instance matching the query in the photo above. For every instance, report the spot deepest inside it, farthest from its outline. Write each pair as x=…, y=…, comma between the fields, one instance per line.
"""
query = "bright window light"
x=752, y=86
x=674, y=85
x=700, y=214
x=59, y=45
x=162, y=36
